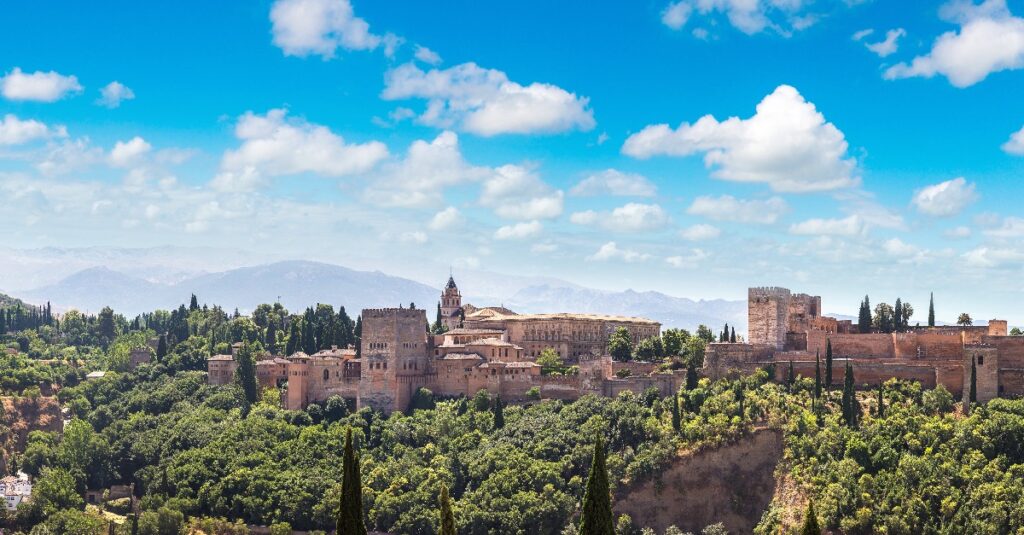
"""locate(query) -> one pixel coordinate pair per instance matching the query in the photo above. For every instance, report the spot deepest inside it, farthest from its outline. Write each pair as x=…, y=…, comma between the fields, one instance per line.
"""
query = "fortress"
x=492, y=349
x=786, y=327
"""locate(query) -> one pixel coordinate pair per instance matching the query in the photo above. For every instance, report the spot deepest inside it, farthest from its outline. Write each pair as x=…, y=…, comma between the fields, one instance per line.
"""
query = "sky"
x=696, y=148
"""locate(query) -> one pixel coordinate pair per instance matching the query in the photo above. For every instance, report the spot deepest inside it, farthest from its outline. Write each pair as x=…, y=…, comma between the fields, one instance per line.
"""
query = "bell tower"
x=451, y=305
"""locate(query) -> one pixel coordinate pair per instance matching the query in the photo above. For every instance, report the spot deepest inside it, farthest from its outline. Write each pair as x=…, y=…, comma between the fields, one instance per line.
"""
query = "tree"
x=135, y=524
x=810, y=526
x=931, y=309
x=649, y=350
x=864, y=317
x=791, y=377
x=851, y=408
x=817, y=375
x=828, y=365
x=691, y=377
x=677, y=424
x=193, y=304
x=499, y=413
x=908, y=312
x=974, y=382
x=447, y=518
x=245, y=374
x=732, y=336
x=56, y=490
x=673, y=340
x=107, y=328
x=884, y=318
x=161, y=348
x=294, y=338
x=551, y=362
x=620, y=345
x=350, y=512
x=881, y=401
x=964, y=320
x=897, y=315
x=596, y=517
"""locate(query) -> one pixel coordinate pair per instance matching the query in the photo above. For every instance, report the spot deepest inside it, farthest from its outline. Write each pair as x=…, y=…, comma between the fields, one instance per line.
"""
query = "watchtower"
x=394, y=355
x=768, y=315
x=451, y=305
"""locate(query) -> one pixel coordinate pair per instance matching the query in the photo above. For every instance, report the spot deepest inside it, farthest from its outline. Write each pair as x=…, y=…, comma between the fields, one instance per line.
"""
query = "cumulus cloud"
x=945, y=198
x=485, y=102
x=112, y=94
x=729, y=208
x=676, y=14
x=847, y=226
x=748, y=16
x=448, y=219
x=700, y=232
x=632, y=217
x=275, y=145
x=993, y=257
x=611, y=251
x=519, y=231
x=38, y=86
x=14, y=131
x=515, y=192
x=127, y=153
x=689, y=260
x=786, y=144
x=320, y=27
x=990, y=39
x=427, y=55
x=889, y=45
x=1011, y=227
x=958, y=233
x=614, y=182
x=69, y=155
x=420, y=179
x=1015, y=145
x=859, y=35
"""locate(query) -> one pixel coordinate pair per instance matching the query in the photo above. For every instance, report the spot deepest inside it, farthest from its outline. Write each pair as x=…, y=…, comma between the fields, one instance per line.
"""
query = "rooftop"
x=492, y=314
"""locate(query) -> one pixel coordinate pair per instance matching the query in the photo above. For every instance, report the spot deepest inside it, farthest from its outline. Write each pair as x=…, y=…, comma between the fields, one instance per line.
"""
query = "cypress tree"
x=358, y=336
x=447, y=518
x=864, y=318
x=828, y=365
x=810, y=526
x=881, y=401
x=161, y=348
x=135, y=524
x=850, y=404
x=193, y=303
x=974, y=382
x=931, y=309
x=596, y=518
x=677, y=424
x=350, y=512
x=270, y=340
x=817, y=375
x=897, y=315
x=294, y=338
x=499, y=413
x=691, y=377
x=732, y=336
x=245, y=374
x=791, y=378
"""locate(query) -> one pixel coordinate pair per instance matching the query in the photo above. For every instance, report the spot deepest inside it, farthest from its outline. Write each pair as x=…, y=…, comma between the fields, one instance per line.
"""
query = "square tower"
x=768, y=316
x=394, y=357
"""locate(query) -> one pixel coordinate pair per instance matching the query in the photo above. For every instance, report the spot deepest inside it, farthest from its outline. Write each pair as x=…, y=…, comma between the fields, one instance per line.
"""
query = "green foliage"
x=649, y=350
x=551, y=362
x=422, y=399
x=620, y=345
x=810, y=525
x=499, y=413
x=447, y=518
x=596, y=515
x=245, y=374
x=673, y=341
x=931, y=309
x=350, y=512
x=864, y=319
x=973, y=392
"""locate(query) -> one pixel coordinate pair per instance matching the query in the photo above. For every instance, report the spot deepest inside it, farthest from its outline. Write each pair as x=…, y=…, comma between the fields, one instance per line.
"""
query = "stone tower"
x=394, y=357
x=451, y=305
x=768, y=316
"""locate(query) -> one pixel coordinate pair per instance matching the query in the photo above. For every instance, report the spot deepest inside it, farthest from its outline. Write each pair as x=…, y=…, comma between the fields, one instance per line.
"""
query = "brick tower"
x=394, y=355
x=451, y=305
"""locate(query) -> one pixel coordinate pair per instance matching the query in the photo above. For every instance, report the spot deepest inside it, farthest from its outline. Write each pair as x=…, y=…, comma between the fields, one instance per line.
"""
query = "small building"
x=15, y=490
x=92, y=376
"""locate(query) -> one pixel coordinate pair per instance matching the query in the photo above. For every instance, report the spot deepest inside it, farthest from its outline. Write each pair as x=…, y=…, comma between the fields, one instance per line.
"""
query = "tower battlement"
x=766, y=292
x=393, y=312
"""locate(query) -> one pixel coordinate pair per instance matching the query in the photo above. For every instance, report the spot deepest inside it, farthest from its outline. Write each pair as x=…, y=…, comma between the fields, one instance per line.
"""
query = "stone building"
x=492, y=349
x=785, y=327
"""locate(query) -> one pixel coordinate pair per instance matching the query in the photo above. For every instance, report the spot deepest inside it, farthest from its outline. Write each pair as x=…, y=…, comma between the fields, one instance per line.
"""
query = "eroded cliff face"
x=732, y=484
x=21, y=416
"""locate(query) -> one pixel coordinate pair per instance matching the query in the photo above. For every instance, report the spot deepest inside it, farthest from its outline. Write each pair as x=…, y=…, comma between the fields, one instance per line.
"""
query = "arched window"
x=327, y=375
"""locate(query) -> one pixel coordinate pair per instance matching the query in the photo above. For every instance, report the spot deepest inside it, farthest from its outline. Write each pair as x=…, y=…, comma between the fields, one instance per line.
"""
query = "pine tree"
x=974, y=382
x=245, y=374
x=499, y=413
x=677, y=423
x=828, y=365
x=161, y=348
x=447, y=518
x=881, y=401
x=810, y=526
x=931, y=309
x=817, y=375
x=596, y=518
x=350, y=512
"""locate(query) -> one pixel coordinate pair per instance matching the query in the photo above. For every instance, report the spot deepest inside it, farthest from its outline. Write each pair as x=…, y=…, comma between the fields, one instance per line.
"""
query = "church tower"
x=451, y=305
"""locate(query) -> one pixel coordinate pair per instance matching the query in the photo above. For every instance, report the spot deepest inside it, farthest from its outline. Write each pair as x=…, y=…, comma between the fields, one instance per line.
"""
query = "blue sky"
x=524, y=138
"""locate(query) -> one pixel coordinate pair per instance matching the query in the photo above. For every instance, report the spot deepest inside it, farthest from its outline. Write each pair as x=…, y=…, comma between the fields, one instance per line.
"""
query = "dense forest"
x=893, y=460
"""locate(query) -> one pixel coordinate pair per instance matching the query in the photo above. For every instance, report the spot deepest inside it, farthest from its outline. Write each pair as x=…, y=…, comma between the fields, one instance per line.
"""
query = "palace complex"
x=491, y=349
x=786, y=327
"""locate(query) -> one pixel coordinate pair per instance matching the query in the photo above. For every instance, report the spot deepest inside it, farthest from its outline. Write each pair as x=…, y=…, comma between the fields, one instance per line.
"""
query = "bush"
x=533, y=393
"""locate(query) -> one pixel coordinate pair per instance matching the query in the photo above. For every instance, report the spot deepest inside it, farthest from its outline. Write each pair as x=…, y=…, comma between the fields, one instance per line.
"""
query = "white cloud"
x=112, y=94
x=898, y=248
x=848, y=226
x=614, y=182
x=304, y=27
x=992, y=257
x=889, y=45
x=416, y=236
x=729, y=208
x=958, y=233
x=1011, y=227
x=69, y=155
x=14, y=131
x=688, y=261
x=857, y=36
x=519, y=231
x=515, y=192
x=700, y=232
x=1015, y=145
x=676, y=14
x=39, y=86
x=990, y=39
x=427, y=55
x=273, y=145
x=485, y=102
x=243, y=180
x=611, y=251
x=945, y=198
x=447, y=219
x=632, y=217
x=127, y=153
x=421, y=178
x=543, y=248
x=786, y=144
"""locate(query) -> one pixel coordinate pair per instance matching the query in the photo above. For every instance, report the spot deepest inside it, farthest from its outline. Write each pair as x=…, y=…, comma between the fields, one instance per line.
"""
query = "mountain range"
x=298, y=284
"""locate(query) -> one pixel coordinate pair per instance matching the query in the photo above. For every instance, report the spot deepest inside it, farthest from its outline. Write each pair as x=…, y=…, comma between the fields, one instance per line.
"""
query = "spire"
x=451, y=283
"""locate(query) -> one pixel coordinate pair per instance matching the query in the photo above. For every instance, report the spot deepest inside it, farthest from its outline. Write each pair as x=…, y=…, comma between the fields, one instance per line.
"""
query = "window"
x=981, y=360
x=327, y=375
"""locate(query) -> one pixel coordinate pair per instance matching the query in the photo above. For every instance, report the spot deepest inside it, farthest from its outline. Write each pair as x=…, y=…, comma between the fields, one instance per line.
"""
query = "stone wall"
x=722, y=358
x=768, y=316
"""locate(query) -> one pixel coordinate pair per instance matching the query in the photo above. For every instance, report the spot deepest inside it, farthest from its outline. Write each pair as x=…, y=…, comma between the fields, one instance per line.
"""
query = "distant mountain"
x=670, y=311
x=299, y=284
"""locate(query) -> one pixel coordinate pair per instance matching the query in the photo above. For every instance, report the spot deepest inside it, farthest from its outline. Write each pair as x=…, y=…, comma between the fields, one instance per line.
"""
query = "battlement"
x=393, y=312
x=767, y=292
